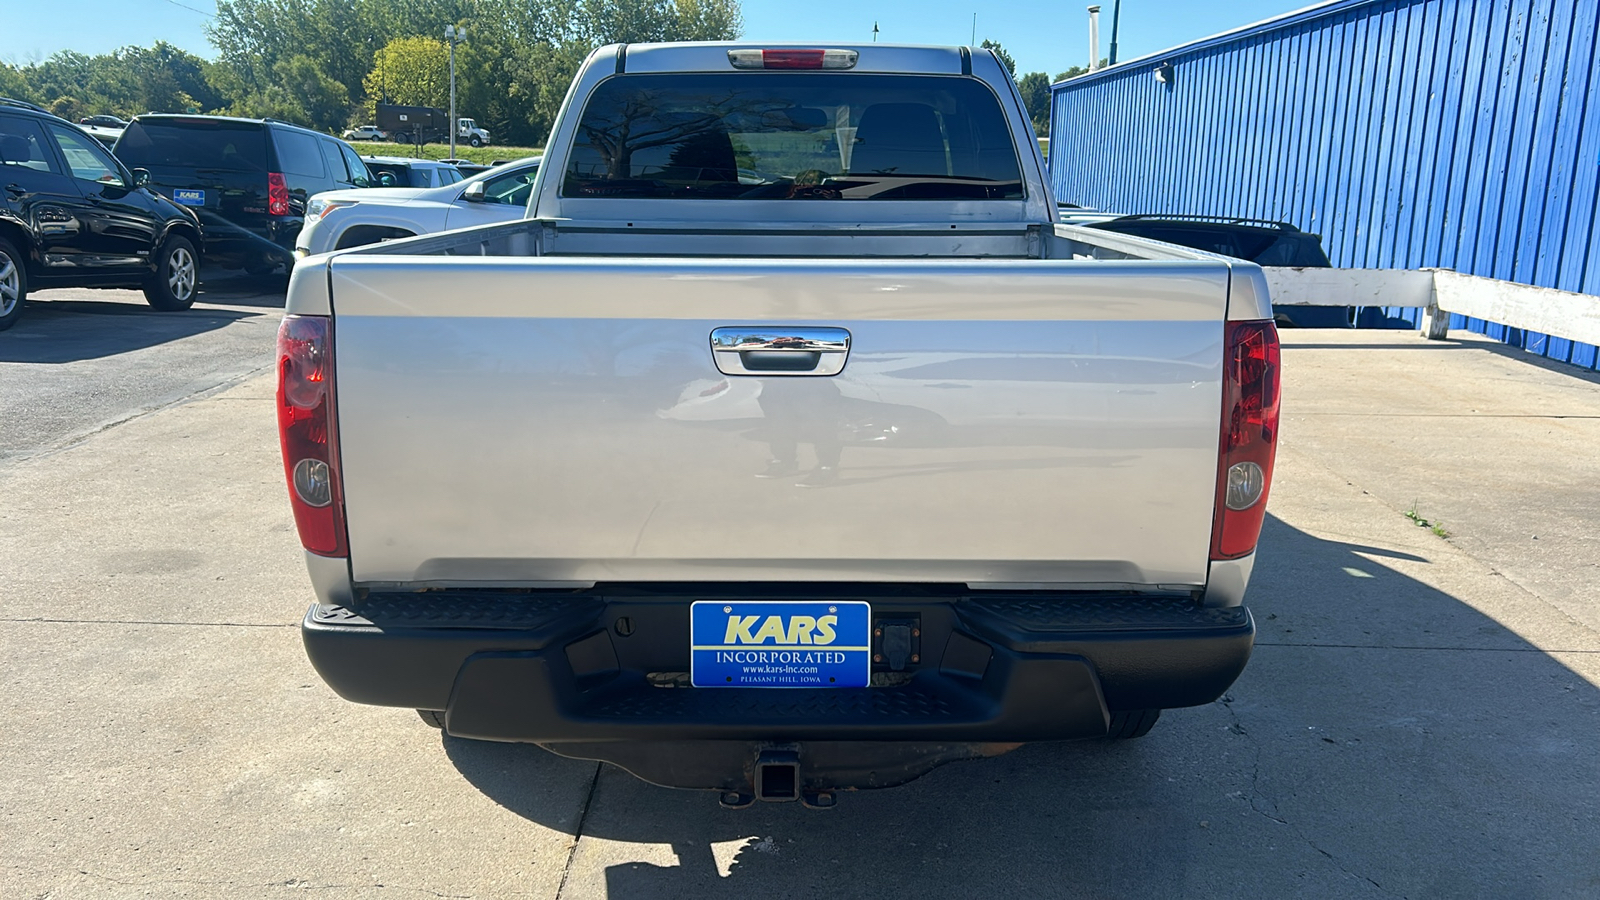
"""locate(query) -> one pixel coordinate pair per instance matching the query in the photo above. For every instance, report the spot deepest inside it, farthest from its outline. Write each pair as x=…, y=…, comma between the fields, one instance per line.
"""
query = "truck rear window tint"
x=194, y=144
x=798, y=136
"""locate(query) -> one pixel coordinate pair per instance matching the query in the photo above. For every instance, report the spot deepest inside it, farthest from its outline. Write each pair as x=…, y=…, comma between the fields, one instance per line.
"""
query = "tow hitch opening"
x=778, y=776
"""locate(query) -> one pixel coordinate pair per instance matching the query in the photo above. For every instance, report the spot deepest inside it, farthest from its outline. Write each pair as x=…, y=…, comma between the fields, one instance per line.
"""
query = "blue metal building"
x=1461, y=134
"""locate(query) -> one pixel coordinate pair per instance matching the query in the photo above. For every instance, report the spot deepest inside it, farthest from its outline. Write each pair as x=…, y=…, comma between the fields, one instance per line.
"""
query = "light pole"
x=1116, y=16
x=455, y=34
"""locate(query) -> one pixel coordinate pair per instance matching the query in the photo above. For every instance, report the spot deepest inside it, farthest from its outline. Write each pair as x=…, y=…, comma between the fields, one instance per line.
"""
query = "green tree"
x=12, y=82
x=126, y=82
x=301, y=93
x=1075, y=71
x=512, y=72
x=413, y=71
x=68, y=108
x=1011, y=64
x=1035, y=88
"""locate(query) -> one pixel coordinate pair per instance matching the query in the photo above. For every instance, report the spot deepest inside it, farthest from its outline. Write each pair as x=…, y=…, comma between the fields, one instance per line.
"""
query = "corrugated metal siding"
x=1409, y=133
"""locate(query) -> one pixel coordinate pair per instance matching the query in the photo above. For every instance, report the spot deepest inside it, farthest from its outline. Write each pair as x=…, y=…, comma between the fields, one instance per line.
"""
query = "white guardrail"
x=1439, y=292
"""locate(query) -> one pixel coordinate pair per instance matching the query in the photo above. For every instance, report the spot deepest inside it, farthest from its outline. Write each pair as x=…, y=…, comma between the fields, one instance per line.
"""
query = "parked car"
x=248, y=179
x=365, y=133
x=71, y=215
x=340, y=219
x=402, y=172
x=106, y=136
x=1261, y=241
x=973, y=492
x=468, y=168
x=103, y=121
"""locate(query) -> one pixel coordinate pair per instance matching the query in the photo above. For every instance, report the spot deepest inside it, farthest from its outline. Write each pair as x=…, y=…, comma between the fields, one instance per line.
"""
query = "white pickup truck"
x=788, y=445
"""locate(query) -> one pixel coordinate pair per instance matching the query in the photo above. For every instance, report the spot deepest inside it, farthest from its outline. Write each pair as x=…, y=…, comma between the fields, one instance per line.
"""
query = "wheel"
x=261, y=265
x=434, y=717
x=177, y=276
x=475, y=141
x=1125, y=726
x=13, y=285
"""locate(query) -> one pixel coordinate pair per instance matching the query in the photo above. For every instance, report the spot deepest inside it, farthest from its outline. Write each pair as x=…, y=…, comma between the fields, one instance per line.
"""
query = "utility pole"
x=1116, y=16
x=974, y=30
x=455, y=34
x=874, y=32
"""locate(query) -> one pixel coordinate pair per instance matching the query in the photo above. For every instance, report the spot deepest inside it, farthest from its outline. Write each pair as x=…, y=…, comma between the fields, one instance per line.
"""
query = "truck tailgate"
x=997, y=422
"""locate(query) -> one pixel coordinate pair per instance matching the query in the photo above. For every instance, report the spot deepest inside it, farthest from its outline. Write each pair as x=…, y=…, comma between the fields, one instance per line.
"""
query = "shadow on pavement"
x=234, y=288
x=1386, y=740
x=61, y=331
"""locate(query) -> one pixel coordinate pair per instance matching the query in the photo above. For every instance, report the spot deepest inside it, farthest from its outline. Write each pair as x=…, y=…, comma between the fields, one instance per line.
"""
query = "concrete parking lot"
x=1420, y=719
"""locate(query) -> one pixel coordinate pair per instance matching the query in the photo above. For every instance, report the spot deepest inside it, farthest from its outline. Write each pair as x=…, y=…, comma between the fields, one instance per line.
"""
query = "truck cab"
x=468, y=130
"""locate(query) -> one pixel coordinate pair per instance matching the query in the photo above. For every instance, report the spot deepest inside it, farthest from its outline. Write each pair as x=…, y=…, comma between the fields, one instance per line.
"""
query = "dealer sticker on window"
x=189, y=197
x=799, y=644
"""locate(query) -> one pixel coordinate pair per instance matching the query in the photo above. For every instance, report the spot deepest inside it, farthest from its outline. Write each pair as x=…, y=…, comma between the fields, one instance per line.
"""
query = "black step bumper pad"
x=550, y=669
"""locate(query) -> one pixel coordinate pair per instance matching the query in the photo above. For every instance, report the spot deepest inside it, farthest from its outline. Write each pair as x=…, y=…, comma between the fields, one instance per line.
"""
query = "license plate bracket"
x=780, y=643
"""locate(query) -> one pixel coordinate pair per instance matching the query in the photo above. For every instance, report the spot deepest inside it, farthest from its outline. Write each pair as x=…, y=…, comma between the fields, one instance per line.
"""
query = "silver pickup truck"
x=788, y=445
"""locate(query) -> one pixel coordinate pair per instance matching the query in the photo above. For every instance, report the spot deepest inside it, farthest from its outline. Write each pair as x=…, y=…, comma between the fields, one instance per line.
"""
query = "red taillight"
x=1249, y=437
x=277, y=195
x=792, y=59
x=308, y=432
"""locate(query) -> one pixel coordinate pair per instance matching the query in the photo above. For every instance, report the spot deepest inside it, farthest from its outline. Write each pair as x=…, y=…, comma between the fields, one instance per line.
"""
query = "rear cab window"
x=165, y=144
x=745, y=136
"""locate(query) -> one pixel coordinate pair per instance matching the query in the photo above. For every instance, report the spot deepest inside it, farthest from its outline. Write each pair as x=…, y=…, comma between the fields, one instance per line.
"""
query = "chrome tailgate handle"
x=800, y=350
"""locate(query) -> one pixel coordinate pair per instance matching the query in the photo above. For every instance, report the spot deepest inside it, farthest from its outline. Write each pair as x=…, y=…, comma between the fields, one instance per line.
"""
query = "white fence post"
x=1434, y=323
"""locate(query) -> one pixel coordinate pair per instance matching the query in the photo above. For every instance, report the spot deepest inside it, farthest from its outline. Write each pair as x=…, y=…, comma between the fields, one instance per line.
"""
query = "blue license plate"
x=189, y=197
x=795, y=644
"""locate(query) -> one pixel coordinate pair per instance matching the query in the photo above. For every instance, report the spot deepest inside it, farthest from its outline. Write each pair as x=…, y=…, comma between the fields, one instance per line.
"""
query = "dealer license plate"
x=797, y=644
x=189, y=197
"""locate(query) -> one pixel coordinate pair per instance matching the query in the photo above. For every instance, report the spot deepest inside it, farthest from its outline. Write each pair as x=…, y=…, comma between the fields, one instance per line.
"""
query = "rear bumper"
x=610, y=665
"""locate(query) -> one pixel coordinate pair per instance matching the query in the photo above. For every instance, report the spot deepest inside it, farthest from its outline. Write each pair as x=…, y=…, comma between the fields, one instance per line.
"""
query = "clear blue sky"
x=1042, y=36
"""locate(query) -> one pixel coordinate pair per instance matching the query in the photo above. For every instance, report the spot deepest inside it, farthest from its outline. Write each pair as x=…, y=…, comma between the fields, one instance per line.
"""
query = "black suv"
x=248, y=179
x=72, y=216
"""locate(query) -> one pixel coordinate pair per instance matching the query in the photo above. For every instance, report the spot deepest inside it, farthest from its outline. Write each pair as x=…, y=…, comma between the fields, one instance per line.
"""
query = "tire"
x=434, y=717
x=13, y=285
x=475, y=141
x=261, y=265
x=177, y=278
x=1125, y=726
